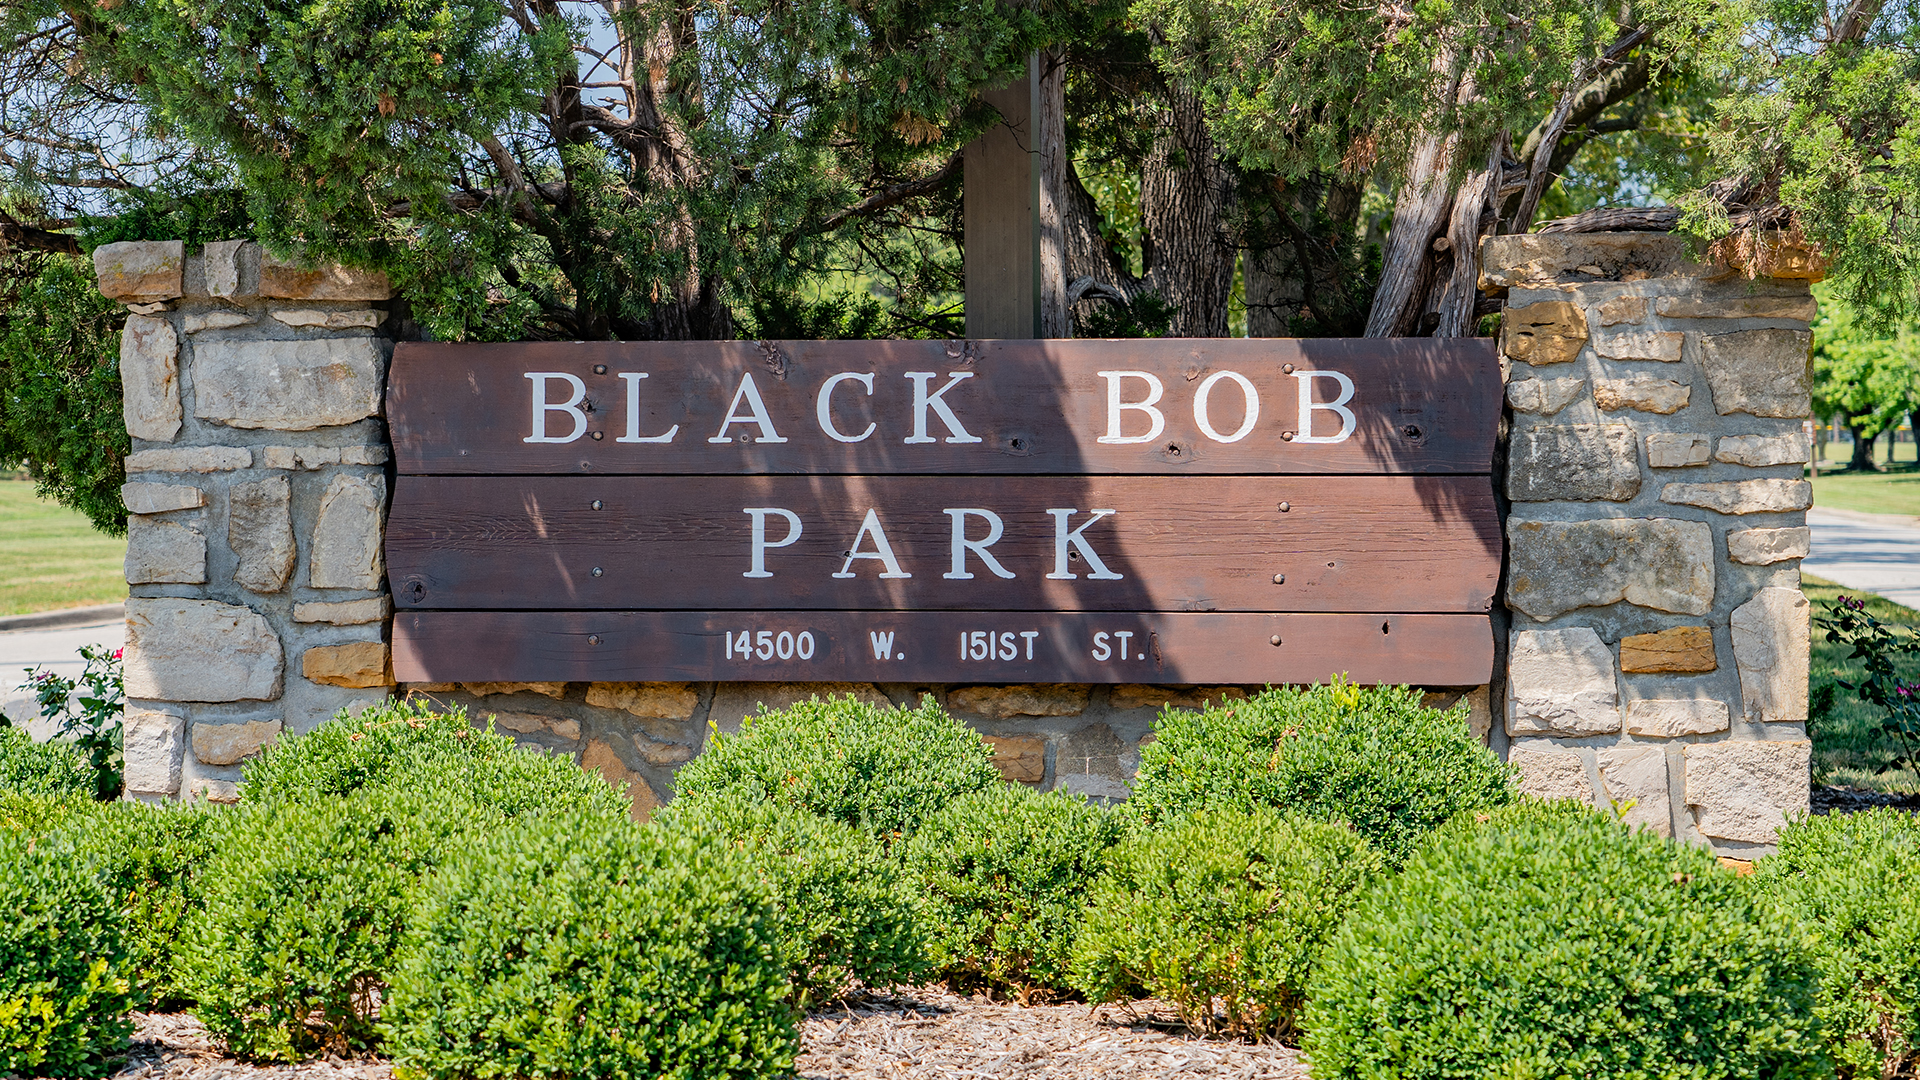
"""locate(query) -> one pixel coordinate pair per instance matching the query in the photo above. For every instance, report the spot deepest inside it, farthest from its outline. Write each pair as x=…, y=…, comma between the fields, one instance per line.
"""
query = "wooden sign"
x=1170, y=511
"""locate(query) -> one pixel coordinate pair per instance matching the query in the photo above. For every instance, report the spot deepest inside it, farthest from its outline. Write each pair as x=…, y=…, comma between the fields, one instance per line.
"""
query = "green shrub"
x=34, y=816
x=1008, y=870
x=883, y=770
x=35, y=768
x=149, y=857
x=301, y=911
x=1556, y=942
x=64, y=994
x=1223, y=909
x=1851, y=879
x=1369, y=756
x=847, y=912
x=570, y=946
x=408, y=745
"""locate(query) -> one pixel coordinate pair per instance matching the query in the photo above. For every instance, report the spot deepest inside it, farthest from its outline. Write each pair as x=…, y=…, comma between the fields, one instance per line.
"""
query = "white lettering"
x=760, y=545
x=882, y=644
x=1308, y=406
x=962, y=545
x=882, y=551
x=633, y=413
x=1123, y=636
x=1100, y=648
x=1062, y=538
x=1206, y=422
x=541, y=406
x=977, y=645
x=922, y=401
x=823, y=405
x=1029, y=635
x=1115, y=406
x=751, y=394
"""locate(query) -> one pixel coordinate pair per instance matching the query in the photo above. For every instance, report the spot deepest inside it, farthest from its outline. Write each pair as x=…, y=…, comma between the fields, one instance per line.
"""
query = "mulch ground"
x=1832, y=799
x=920, y=1033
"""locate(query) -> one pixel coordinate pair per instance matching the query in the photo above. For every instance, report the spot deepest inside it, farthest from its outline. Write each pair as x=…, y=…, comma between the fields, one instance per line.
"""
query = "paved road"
x=57, y=650
x=1877, y=553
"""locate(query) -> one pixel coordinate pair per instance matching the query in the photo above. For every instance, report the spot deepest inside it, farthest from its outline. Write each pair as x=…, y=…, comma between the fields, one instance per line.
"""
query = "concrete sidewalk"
x=1876, y=553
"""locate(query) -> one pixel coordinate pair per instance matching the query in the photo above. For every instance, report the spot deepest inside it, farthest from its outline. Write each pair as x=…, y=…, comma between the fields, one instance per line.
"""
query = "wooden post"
x=1001, y=186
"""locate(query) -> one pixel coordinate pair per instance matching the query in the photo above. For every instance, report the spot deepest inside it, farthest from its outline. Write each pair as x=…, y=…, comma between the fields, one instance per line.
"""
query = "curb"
x=53, y=620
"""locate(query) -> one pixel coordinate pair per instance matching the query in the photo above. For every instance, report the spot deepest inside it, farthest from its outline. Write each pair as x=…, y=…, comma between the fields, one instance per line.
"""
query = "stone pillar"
x=1000, y=186
x=1659, y=643
x=256, y=494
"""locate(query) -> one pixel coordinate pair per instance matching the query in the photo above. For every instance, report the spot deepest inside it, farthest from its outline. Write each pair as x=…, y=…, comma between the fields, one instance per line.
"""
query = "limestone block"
x=1663, y=396
x=1771, y=640
x=1629, y=310
x=345, y=613
x=1669, y=718
x=1800, y=308
x=149, y=309
x=318, y=457
x=1543, y=397
x=1761, y=372
x=229, y=744
x=600, y=757
x=1019, y=757
x=1001, y=702
x=152, y=742
x=1634, y=779
x=554, y=690
x=150, y=378
x=216, y=320
x=345, y=552
x=1518, y=260
x=199, y=459
x=1133, y=696
x=219, y=792
x=260, y=531
x=330, y=320
x=1552, y=774
x=748, y=699
x=222, y=260
x=522, y=723
x=287, y=385
x=647, y=700
x=164, y=552
x=1550, y=332
x=148, y=498
x=359, y=665
x=140, y=271
x=1560, y=682
x=1554, y=462
x=1089, y=762
x=1744, y=791
x=1760, y=451
x=1661, y=345
x=1680, y=649
x=658, y=752
x=281, y=279
x=1659, y=563
x=1763, y=547
x=199, y=650
x=1742, y=496
x=1677, y=450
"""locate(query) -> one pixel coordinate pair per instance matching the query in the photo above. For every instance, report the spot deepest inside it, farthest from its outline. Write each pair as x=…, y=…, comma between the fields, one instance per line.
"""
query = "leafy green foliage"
x=32, y=768
x=1224, y=914
x=1553, y=941
x=1850, y=878
x=882, y=770
x=149, y=857
x=1880, y=647
x=1008, y=870
x=34, y=815
x=64, y=995
x=95, y=728
x=846, y=912
x=570, y=946
x=1371, y=757
x=1871, y=377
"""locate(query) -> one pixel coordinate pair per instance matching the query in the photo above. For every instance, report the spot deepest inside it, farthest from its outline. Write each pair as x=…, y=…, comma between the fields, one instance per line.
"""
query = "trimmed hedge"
x=1008, y=870
x=1852, y=879
x=1551, y=941
x=35, y=768
x=883, y=770
x=574, y=946
x=64, y=990
x=33, y=816
x=1372, y=757
x=149, y=857
x=1223, y=914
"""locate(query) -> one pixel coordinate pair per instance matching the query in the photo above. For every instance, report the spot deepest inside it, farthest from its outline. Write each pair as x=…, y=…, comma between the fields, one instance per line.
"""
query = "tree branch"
x=36, y=239
x=895, y=195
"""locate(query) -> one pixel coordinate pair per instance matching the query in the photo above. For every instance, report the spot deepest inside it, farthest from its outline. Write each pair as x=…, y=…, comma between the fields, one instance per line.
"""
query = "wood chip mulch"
x=911, y=1034
x=1832, y=799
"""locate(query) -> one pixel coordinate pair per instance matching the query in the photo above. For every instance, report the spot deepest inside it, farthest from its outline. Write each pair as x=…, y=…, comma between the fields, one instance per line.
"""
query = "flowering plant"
x=95, y=727
x=1881, y=649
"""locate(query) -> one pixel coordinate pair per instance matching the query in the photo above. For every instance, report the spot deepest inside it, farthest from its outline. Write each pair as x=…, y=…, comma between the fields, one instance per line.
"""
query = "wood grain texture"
x=1038, y=407
x=1350, y=543
x=1431, y=650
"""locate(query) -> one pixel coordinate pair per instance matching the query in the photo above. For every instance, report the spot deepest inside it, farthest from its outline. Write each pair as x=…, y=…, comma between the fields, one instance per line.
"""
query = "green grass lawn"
x=50, y=557
x=1896, y=491
x=1848, y=746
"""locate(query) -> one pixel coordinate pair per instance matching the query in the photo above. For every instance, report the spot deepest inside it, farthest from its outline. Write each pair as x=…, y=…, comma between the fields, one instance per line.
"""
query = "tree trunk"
x=1862, y=450
x=1050, y=142
x=1419, y=215
x=1186, y=201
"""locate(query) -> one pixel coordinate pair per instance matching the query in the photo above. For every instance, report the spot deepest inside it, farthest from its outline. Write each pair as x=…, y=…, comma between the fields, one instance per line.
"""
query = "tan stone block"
x=1659, y=563
x=1760, y=451
x=162, y=552
x=319, y=457
x=150, y=378
x=1677, y=450
x=1745, y=791
x=1552, y=774
x=1759, y=372
x=359, y=665
x=1032, y=699
x=431, y=688
x=1800, y=308
x=309, y=318
x=1659, y=345
x=287, y=385
x=140, y=271
x=1560, y=682
x=1621, y=310
x=1134, y=696
x=216, y=320
x=346, y=535
x=260, y=532
x=229, y=744
x=523, y=723
x=1663, y=396
x=647, y=700
x=600, y=757
x=1771, y=642
x=200, y=650
x=1679, y=649
x=1019, y=757
x=486, y=689
x=222, y=261
x=1543, y=397
x=1634, y=779
x=141, y=498
x=1742, y=496
x=1671, y=718
x=218, y=792
x=1583, y=462
x=282, y=279
x=1763, y=547
x=347, y=613
x=151, y=743
x=197, y=459
x=1550, y=332
x=1521, y=260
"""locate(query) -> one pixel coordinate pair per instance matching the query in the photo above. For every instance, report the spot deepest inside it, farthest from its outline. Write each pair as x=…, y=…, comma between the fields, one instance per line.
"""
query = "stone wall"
x=1657, y=657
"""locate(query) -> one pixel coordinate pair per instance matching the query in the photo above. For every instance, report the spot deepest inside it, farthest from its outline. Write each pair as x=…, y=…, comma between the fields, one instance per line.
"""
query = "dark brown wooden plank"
x=487, y=646
x=1344, y=543
x=1038, y=407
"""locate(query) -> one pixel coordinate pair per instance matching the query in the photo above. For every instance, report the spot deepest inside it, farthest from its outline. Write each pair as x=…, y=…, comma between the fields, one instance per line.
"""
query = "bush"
x=884, y=770
x=1008, y=870
x=301, y=911
x=64, y=994
x=407, y=745
x=1851, y=879
x=1224, y=907
x=846, y=911
x=1553, y=941
x=34, y=816
x=34, y=768
x=149, y=858
x=1371, y=757
x=572, y=946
